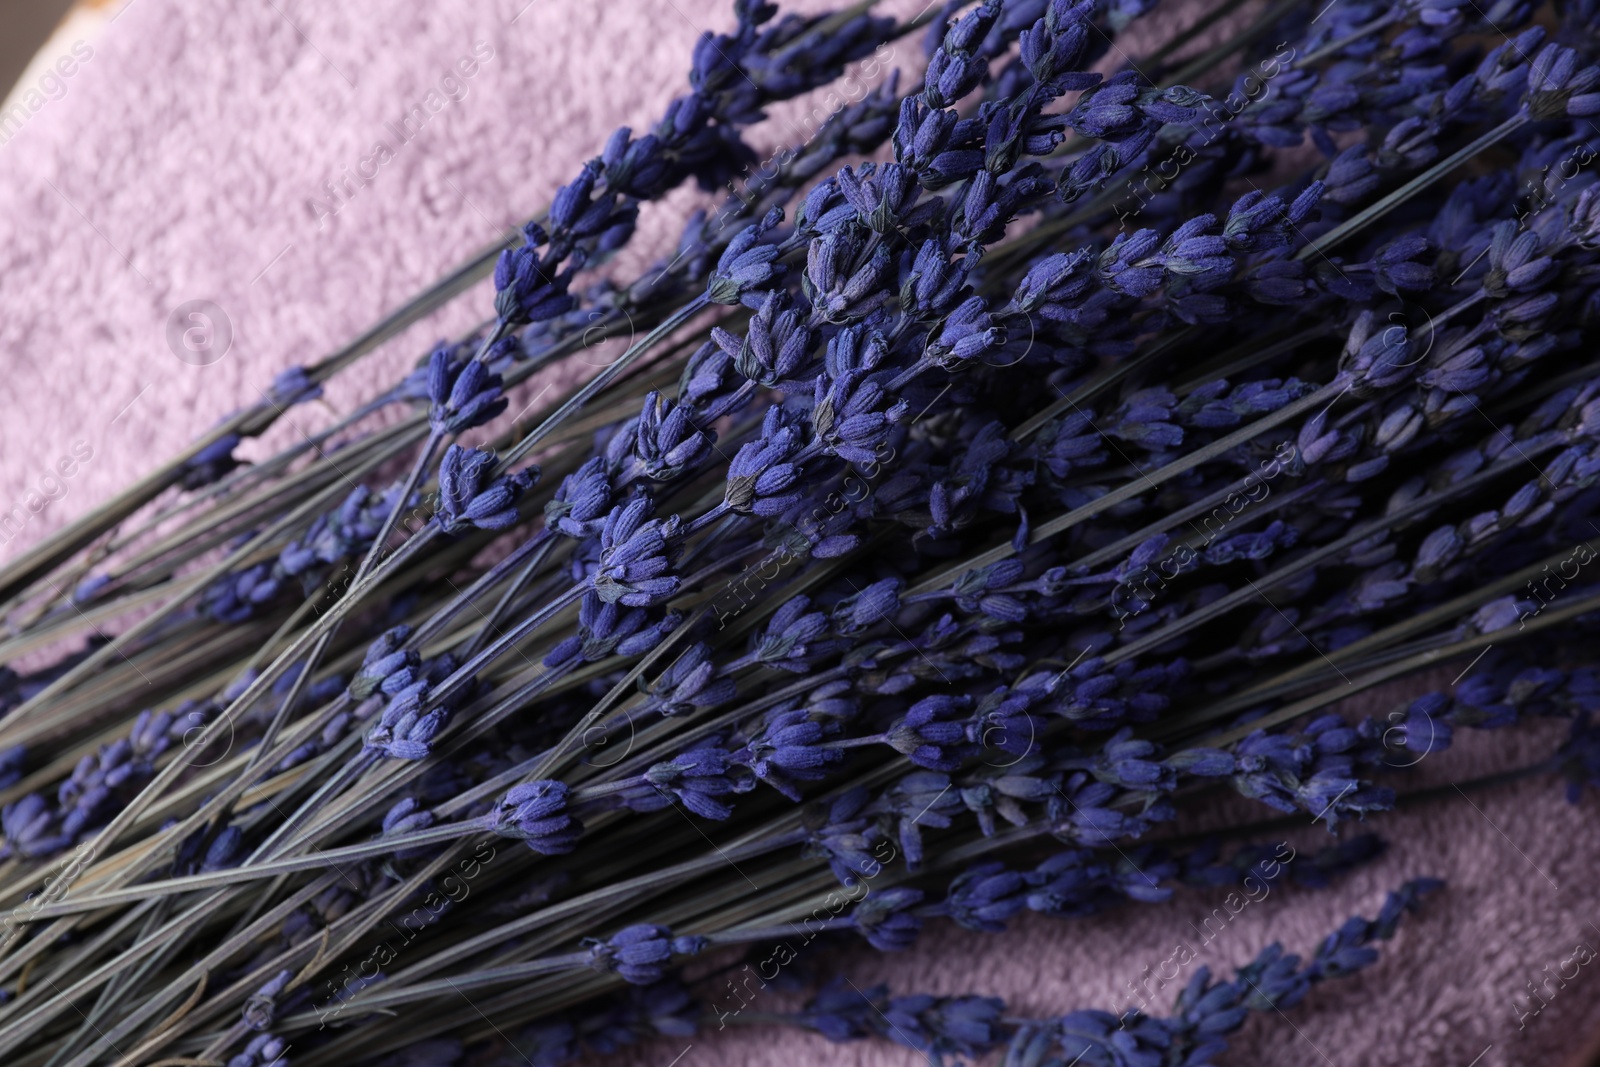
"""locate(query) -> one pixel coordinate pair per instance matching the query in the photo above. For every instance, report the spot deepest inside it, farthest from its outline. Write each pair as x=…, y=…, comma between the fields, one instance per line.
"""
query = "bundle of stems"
x=947, y=528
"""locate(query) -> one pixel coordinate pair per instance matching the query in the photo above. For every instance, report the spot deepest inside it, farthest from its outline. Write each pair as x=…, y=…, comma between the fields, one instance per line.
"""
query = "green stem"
x=603, y=379
x=1328, y=394
x=1411, y=188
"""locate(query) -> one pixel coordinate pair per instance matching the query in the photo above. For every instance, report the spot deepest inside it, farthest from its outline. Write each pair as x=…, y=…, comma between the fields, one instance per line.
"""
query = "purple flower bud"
x=853, y=414
x=260, y=1010
x=293, y=386
x=856, y=614
x=933, y=732
x=385, y=657
x=405, y=731
x=843, y=273
x=640, y=954
x=661, y=444
x=469, y=499
x=1558, y=87
x=776, y=345
x=636, y=556
x=211, y=462
x=528, y=286
x=697, y=778
x=1058, y=44
x=883, y=195
x=956, y=68
x=789, y=750
x=969, y=333
x=793, y=637
x=747, y=266
x=536, y=812
x=760, y=475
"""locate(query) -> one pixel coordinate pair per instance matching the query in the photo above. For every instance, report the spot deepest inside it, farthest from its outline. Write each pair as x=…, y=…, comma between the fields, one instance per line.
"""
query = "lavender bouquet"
x=955, y=524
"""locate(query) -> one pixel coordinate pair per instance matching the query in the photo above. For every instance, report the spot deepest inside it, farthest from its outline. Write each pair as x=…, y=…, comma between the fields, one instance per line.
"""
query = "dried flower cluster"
x=948, y=529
